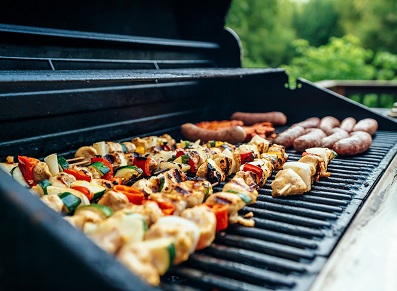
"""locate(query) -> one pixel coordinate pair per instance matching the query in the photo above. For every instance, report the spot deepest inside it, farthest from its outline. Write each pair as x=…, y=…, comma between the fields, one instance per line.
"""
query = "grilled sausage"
x=338, y=134
x=328, y=123
x=287, y=137
x=309, y=123
x=369, y=125
x=275, y=117
x=348, y=124
x=311, y=139
x=232, y=135
x=358, y=142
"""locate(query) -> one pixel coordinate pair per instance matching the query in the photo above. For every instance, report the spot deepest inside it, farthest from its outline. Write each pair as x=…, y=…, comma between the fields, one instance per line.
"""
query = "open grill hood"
x=74, y=76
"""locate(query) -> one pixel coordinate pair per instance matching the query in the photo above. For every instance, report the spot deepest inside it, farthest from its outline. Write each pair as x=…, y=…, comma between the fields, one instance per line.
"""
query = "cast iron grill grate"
x=293, y=236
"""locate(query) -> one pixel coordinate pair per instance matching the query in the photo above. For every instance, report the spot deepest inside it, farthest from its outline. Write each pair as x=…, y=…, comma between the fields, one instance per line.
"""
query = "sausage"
x=369, y=125
x=328, y=123
x=232, y=135
x=309, y=123
x=338, y=134
x=348, y=124
x=287, y=137
x=275, y=117
x=358, y=142
x=312, y=138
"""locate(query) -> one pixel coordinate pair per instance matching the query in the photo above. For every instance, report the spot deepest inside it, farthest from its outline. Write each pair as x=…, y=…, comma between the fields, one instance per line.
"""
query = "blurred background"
x=319, y=40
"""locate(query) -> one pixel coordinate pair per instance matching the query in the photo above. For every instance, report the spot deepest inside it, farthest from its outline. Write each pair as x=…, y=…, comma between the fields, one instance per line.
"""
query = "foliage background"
x=319, y=39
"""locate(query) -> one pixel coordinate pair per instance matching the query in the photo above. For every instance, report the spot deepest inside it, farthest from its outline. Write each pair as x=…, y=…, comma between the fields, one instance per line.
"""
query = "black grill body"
x=70, y=79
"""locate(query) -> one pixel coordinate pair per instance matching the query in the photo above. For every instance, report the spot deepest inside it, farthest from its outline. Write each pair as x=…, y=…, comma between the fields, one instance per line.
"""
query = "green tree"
x=340, y=59
x=265, y=30
x=316, y=21
x=374, y=22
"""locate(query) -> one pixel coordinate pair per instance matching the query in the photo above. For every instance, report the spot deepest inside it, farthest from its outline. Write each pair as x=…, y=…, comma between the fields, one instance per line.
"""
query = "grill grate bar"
x=288, y=228
x=274, y=237
x=210, y=281
x=289, y=218
x=295, y=210
x=256, y=259
x=266, y=247
x=269, y=200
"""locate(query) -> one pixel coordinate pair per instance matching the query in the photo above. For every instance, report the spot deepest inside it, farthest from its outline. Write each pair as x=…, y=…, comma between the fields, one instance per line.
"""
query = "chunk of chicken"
x=184, y=233
x=192, y=191
x=205, y=219
x=41, y=172
x=233, y=202
x=62, y=180
x=149, y=210
x=79, y=220
x=238, y=185
x=53, y=201
x=288, y=182
x=139, y=261
x=210, y=171
x=114, y=200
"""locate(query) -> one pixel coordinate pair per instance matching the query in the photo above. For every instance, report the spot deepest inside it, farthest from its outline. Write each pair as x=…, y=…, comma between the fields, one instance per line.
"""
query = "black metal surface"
x=84, y=73
x=293, y=236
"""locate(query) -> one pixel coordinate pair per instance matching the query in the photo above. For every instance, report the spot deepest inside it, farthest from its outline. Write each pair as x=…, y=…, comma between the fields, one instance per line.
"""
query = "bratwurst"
x=274, y=117
x=328, y=123
x=311, y=139
x=348, y=124
x=368, y=125
x=358, y=142
x=287, y=137
x=337, y=134
x=232, y=135
x=311, y=122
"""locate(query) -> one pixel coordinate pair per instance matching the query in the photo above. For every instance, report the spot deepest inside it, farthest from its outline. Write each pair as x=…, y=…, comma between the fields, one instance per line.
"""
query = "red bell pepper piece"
x=143, y=163
x=222, y=216
x=85, y=191
x=246, y=157
x=179, y=152
x=108, y=175
x=79, y=175
x=192, y=164
x=26, y=165
x=167, y=207
x=255, y=169
x=133, y=194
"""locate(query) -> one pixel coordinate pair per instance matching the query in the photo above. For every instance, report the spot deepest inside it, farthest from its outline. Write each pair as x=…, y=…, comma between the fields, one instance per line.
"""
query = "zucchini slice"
x=70, y=201
x=97, y=190
x=63, y=163
x=128, y=173
x=44, y=184
x=99, y=167
x=103, y=210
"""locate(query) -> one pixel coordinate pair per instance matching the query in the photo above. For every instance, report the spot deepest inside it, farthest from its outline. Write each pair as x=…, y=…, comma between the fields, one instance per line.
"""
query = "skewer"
x=214, y=184
x=75, y=159
x=285, y=188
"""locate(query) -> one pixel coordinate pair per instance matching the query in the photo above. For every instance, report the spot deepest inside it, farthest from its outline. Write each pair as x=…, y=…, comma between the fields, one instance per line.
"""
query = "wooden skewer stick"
x=80, y=163
x=214, y=184
x=160, y=171
x=75, y=159
x=285, y=188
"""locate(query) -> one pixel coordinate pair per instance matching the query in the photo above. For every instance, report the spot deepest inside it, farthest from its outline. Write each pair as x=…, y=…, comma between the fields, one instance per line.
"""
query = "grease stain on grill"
x=292, y=236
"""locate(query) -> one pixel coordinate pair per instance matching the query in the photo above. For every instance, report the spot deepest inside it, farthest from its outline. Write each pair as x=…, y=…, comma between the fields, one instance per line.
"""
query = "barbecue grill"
x=78, y=74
